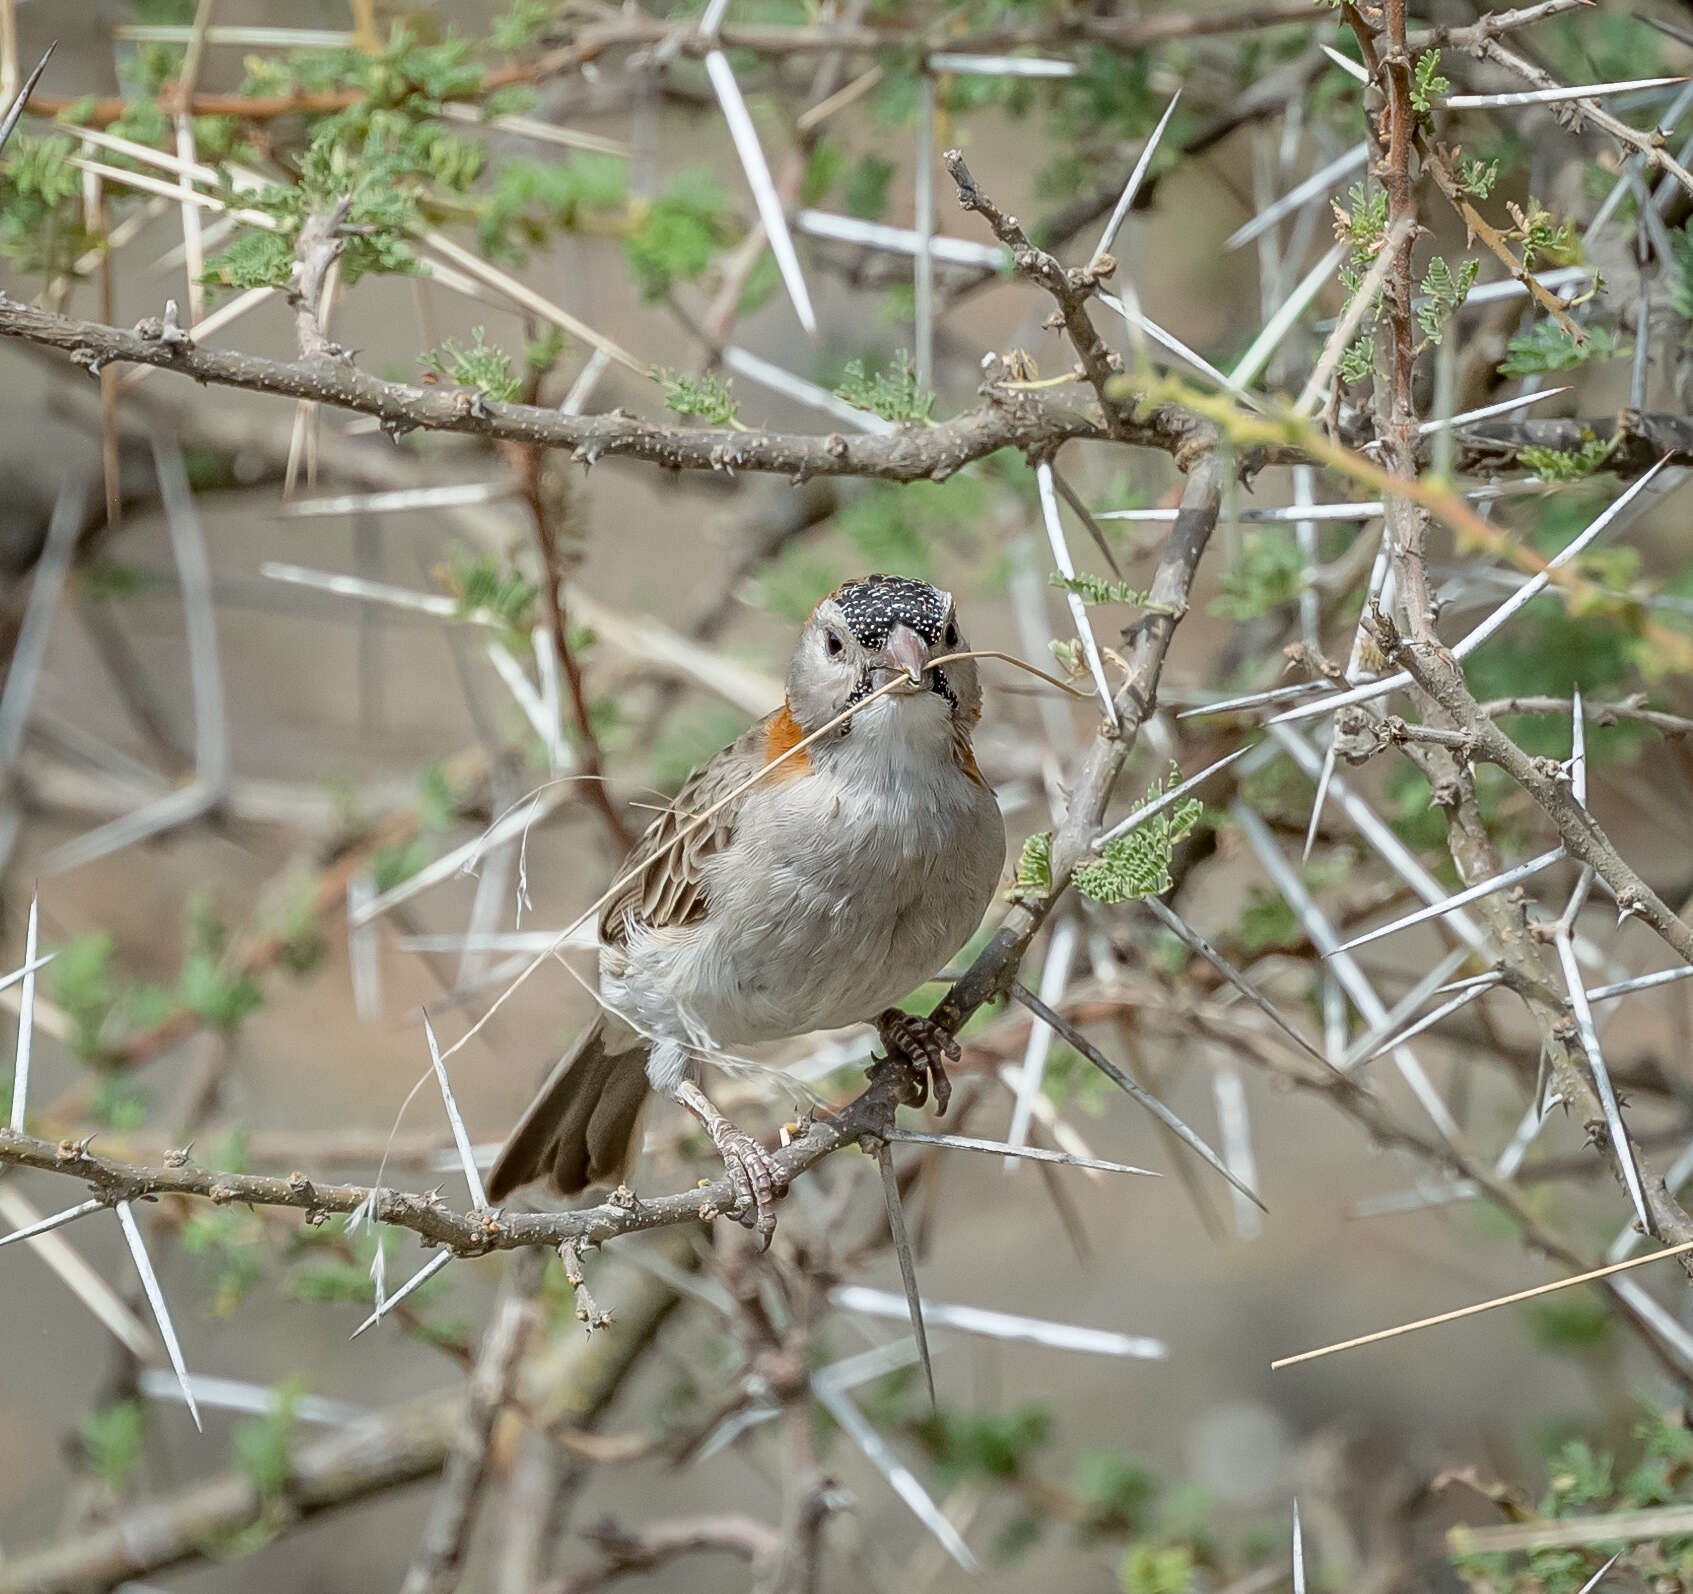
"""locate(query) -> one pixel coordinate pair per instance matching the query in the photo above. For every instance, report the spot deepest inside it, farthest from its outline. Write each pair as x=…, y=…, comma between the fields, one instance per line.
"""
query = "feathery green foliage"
x=1137, y=865
x=709, y=396
x=1264, y=575
x=680, y=234
x=1033, y=877
x=1445, y=291
x=1097, y=589
x=892, y=393
x=1546, y=347
x=1426, y=82
x=1569, y=465
x=478, y=365
x=113, y=1439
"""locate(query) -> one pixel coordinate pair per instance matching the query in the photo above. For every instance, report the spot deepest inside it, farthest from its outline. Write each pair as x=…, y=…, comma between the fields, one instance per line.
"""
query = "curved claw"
x=756, y=1176
x=758, y=1179
x=927, y=1046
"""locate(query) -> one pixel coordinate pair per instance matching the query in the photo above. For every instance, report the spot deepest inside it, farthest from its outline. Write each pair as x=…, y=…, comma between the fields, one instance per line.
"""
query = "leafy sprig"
x=892, y=392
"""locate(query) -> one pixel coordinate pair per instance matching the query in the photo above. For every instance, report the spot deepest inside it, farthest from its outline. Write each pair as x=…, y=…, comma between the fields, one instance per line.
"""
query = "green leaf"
x=1154, y=1569
x=264, y=1447
x=1546, y=347
x=1096, y=589
x=84, y=986
x=1137, y=865
x=1569, y=465
x=1115, y=1494
x=1359, y=359
x=1362, y=221
x=1445, y=291
x=220, y=996
x=1034, y=867
x=1264, y=575
x=708, y=396
x=520, y=25
x=532, y=199
x=892, y=393
x=1577, y=1323
x=1268, y=923
x=480, y=366
x=1542, y=234
x=229, y=1242
x=1681, y=278
x=865, y=191
x=482, y=583
x=113, y=1438
x=1477, y=176
x=984, y=1444
x=681, y=234
x=1426, y=82
x=256, y=259
x=120, y=1104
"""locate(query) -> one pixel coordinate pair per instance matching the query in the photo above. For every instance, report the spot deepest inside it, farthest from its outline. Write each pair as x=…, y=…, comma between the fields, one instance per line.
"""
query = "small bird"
x=816, y=898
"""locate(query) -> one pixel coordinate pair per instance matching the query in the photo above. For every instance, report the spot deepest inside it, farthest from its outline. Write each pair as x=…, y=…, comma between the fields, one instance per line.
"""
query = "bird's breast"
x=838, y=895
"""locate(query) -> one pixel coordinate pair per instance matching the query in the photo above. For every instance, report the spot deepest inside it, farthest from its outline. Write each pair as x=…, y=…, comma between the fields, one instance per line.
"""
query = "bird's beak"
x=905, y=653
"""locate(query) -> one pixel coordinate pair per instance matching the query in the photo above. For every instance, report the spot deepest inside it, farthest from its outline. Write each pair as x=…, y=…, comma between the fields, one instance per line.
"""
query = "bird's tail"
x=580, y=1129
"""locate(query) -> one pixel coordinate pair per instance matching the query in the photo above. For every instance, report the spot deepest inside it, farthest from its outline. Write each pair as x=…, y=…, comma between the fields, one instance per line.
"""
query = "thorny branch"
x=627, y=1552
x=465, y=1233
x=319, y=245
x=1009, y=418
x=1071, y=288
x=1440, y=676
x=660, y=38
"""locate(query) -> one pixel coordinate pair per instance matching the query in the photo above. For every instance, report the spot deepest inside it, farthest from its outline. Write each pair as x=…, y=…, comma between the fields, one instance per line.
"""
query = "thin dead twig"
x=1070, y=288
x=627, y=1551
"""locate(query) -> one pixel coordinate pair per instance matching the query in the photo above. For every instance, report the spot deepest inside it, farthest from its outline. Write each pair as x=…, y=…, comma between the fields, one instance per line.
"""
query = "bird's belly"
x=813, y=926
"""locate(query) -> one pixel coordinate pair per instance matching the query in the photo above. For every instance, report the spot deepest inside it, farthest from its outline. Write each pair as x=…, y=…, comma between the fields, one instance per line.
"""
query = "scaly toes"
x=927, y=1046
x=757, y=1178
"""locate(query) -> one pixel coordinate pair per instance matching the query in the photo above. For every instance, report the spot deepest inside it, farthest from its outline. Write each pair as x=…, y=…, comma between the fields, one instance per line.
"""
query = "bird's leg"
x=926, y=1045
x=757, y=1177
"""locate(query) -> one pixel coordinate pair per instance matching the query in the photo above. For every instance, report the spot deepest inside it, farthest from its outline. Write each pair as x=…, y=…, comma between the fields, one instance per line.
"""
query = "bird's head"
x=878, y=629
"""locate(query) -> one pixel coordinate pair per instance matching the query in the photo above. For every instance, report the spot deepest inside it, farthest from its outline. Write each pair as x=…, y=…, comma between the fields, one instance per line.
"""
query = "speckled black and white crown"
x=873, y=605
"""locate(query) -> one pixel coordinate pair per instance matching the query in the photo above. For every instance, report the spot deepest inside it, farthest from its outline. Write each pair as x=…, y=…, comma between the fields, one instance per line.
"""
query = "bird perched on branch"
x=816, y=897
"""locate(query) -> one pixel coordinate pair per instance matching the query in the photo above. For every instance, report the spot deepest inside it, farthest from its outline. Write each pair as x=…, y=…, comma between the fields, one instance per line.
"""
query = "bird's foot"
x=756, y=1176
x=927, y=1046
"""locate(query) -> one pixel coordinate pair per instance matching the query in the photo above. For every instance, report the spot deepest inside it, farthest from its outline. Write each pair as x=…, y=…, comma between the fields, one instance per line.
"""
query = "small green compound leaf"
x=1681, y=278
x=1137, y=865
x=113, y=1438
x=481, y=366
x=1546, y=347
x=1096, y=589
x=1426, y=82
x=892, y=393
x=1444, y=291
x=1034, y=867
x=264, y=1447
x=1568, y=465
x=708, y=396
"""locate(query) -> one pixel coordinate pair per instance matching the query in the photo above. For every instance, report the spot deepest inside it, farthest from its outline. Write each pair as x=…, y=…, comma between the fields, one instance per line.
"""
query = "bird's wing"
x=664, y=874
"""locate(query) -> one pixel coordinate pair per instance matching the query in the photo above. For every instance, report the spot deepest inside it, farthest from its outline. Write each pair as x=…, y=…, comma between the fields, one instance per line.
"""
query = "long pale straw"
x=1485, y=1306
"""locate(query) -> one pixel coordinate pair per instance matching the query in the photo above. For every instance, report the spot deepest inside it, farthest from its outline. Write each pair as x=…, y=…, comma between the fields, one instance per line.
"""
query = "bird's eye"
x=951, y=637
x=832, y=642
